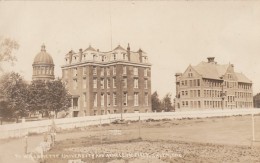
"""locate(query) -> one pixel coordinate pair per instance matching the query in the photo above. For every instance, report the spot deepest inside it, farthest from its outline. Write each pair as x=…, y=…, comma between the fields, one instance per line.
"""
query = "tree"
x=58, y=97
x=167, y=103
x=7, y=46
x=37, y=97
x=256, y=100
x=14, y=95
x=156, y=104
x=48, y=96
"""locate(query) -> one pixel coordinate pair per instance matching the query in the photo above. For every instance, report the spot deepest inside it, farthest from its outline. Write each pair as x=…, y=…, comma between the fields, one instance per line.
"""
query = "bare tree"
x=7, y=47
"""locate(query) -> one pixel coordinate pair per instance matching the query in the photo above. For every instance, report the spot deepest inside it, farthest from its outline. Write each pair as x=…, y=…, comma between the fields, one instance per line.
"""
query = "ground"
x=222, y=139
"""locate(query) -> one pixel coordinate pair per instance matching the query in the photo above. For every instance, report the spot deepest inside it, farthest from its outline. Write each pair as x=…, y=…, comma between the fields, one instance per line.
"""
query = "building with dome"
x=113, y=82
x=43, y=66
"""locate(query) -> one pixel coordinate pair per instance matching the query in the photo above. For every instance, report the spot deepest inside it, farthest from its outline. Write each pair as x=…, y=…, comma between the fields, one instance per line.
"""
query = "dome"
x=43, y=57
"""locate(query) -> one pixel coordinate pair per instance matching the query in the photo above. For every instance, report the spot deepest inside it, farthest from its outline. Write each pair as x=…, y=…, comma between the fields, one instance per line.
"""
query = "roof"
x=43, y=57
x=216, y=71
x=119, y=48
x=242, y=78
x=211, y=70
x=90, y=48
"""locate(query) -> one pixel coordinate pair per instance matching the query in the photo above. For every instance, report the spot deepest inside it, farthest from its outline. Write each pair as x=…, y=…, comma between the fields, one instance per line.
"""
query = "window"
x=125, y=83
x=84, y=83
x=146, y=100
x=95, y=99
x=145, y=72
x=124, y=56
x=190, y=74
x=125, y=99
x=84, y=99
x=102, y=99
x=198, y=82
x=198, y=93
x=114, y=99
x=108, y=71
x=114, y=55
x=114, y=82
x=145, y=83
x=102, y=85
x=114, y=70
x=108, y=83
x=75, y=83
x=103, y=58
x=124, y=70
x=95, y=83
x=94, y=70
x=94, y=57
x=108, y=99
x=229, y=76
x=135, y=83
x=135, y=71
x=136, y=98
x=102, y=71
x=75, y=72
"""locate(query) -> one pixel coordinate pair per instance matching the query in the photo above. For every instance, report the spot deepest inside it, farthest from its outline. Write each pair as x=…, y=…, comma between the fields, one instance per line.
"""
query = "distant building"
x=43, y=66
x=118, y=81
x=211, y=85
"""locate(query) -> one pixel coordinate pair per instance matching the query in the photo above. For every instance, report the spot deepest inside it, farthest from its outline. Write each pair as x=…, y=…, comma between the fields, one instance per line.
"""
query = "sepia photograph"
x=129, y=81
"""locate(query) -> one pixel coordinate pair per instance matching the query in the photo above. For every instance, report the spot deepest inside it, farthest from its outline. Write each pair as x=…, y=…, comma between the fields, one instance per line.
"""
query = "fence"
x=25, y=128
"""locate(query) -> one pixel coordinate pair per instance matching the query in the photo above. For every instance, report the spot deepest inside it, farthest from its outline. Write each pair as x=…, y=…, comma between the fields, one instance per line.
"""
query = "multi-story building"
x=118, y=81
x=211, y=85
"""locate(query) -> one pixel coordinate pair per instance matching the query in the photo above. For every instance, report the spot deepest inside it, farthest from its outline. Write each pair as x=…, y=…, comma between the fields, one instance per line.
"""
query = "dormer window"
x=190, y=74
x=114, y=56
x=124, y=56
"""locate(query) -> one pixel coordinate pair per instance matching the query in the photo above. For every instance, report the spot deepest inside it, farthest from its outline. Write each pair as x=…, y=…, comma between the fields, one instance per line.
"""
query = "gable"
x=190, y=72
x=230, y=74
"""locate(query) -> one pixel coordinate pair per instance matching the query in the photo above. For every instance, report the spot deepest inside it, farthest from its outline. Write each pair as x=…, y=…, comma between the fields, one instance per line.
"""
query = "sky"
x=174, y=34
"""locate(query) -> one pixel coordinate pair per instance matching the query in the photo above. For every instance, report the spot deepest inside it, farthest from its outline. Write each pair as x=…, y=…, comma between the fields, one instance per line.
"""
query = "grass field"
x=223, y=139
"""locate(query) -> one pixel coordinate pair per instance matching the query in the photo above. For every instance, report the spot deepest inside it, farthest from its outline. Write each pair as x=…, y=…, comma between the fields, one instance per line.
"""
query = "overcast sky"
x=173, y=34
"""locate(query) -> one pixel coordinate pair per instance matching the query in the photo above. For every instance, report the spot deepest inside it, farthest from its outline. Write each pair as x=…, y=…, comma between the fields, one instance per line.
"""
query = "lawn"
x=223, y=139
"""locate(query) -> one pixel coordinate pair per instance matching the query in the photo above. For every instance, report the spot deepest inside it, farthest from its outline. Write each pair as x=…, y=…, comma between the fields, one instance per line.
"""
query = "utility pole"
x=253, y=126
x=222, y=95
x=121, y=93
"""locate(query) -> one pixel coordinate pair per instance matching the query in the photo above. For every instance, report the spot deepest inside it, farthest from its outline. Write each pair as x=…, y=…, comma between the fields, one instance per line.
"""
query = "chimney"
x=211, y=59
x=140, y=55
x=128, y=52
x=70, y=56
x=80, y=54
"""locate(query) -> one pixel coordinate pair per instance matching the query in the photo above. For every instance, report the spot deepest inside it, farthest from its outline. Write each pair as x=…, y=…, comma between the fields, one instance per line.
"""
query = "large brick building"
x=117, y=81
x=211, y=85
